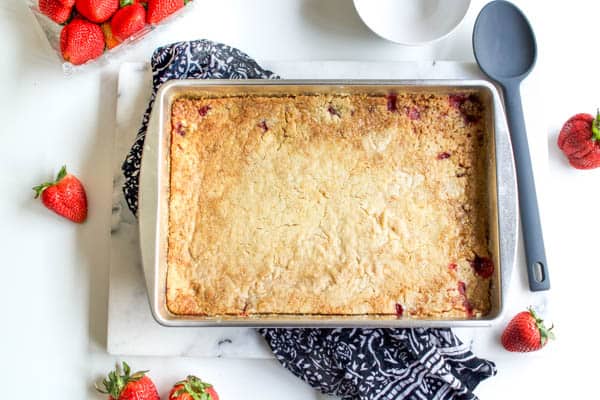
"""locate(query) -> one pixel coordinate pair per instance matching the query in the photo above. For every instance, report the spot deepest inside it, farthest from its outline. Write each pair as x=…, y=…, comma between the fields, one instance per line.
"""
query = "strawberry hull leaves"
x=192, y=388
x=128, y=386
x=115, y=383
x=39, y=189
x=596, y=127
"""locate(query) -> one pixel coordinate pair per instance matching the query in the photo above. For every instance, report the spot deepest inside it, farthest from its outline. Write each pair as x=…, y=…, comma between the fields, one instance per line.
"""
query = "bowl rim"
x=413, y=43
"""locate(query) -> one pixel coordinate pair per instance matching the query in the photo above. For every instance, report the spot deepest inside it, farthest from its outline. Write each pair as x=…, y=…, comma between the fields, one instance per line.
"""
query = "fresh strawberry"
x=81, y=41
x=579, y=140
x=65, y=196
x=128, y=386
x=526, y=332
x=590, y=161
x=192, y=388
x=67, y=3
x=160, y=9
x=97, y=10
x=56, y=10
x=128, y=20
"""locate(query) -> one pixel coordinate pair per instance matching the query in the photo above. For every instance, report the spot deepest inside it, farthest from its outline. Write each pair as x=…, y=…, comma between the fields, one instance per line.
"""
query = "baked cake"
x=329, y=205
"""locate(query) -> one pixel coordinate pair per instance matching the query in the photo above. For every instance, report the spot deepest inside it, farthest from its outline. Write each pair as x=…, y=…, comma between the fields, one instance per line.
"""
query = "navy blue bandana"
x=370, y=364
x=365, y=364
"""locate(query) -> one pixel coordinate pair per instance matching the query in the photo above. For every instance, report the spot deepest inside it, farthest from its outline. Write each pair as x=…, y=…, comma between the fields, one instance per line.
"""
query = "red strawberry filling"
x=413, y=113
x=456, y=100
x=333, y=111
x=399, y=310
x=263, y=125
x=204, y=110
x=469, y=106
x=483, y=266
x=452, y=266
x=244, y=312
x=392, y=99
x=443, y=155
x=179, y=129
x=462, y=289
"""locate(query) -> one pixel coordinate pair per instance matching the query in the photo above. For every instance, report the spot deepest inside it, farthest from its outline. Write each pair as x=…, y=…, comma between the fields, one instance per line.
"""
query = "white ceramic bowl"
x=412, y=22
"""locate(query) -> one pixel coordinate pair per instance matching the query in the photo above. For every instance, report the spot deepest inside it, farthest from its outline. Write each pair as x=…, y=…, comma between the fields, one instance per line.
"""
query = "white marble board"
x=131, y=328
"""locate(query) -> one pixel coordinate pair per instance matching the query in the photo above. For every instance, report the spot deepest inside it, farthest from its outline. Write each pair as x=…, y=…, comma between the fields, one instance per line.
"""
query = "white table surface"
x=54, y=273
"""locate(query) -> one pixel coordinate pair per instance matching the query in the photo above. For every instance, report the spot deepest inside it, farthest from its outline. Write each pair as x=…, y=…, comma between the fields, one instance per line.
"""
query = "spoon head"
x=503, y=42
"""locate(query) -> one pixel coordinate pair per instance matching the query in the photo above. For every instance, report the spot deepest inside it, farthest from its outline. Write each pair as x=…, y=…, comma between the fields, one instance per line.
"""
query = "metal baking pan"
x=154, y=194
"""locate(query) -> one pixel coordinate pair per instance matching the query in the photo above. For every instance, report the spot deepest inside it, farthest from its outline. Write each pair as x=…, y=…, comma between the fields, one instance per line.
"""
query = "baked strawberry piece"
x=469, y=106
x=462, y=290
x=413, y=113
x=392, y=99
x=482, y=266
x=399, y=310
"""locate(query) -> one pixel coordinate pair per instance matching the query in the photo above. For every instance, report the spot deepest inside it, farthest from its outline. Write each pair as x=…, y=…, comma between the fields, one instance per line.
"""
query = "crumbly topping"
x=328, y=205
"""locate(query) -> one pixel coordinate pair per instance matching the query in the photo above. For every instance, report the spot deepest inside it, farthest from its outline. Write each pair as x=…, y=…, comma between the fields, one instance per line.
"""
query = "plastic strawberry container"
x=52, y=31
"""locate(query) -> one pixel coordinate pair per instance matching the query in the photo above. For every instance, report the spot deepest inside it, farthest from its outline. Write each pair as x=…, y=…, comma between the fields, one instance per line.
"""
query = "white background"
x=54, y=274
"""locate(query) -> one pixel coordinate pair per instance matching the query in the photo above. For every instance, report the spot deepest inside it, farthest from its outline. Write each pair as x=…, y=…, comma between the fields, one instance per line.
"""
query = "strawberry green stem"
x=545, y=333
x=596, y=127
x=194, y=387
x=39, y=189
x=117, y=380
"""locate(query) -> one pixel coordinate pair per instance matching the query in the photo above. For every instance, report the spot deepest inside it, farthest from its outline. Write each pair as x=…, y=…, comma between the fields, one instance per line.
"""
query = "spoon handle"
x=535, y=254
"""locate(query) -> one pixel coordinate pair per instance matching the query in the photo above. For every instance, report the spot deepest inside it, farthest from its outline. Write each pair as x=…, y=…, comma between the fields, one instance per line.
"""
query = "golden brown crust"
x=327, y=205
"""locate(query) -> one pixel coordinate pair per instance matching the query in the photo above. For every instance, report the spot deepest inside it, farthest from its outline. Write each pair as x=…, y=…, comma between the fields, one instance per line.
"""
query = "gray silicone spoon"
x=505, y=49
